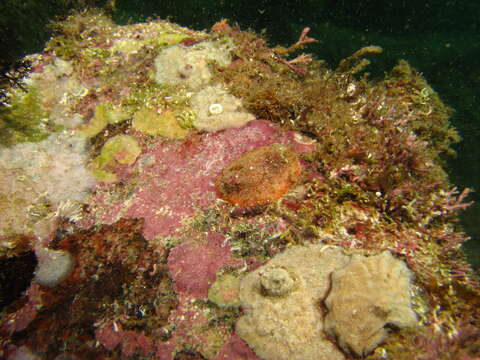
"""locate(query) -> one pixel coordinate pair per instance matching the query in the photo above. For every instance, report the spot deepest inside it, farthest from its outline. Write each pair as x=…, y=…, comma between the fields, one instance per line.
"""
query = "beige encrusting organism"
x=38, y=179
x=57, y=166
x=287, y=325
x=214, y=107
x=366, y=295
x=217, y=110
x=281, y=301
x=276, y=281
x=53, y=267
x=190, y=65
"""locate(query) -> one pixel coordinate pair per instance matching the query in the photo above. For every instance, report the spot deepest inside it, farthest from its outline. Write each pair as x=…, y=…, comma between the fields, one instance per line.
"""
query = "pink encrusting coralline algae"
x=194, y=265
x=177, y=178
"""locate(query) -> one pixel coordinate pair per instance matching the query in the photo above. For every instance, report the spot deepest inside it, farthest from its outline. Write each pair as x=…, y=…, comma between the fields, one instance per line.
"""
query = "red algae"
x=19, y=320
x=236, y=349
x=132, y=342
x=194, y=266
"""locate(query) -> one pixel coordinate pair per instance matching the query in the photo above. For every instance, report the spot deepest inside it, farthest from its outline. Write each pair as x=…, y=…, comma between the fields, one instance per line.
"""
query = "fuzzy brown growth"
x=259, y=176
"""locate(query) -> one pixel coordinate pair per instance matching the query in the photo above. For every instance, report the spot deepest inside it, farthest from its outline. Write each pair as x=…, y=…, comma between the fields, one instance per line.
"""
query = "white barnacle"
x=215, y=109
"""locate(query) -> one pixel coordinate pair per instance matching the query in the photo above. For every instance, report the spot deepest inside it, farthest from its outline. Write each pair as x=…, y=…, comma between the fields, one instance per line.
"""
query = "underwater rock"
x=236, y=349
x=367, y=295
x=24, y=353
x=193, y=330
x=131, y=342
x=21, y=319
x=199, y=134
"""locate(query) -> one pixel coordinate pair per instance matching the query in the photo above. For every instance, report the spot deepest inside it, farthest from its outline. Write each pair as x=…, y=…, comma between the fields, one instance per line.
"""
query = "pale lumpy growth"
x=190, y=65
x=41, y=175
x=282, y=320
x=53, y=267
x=276, y=281
x=367, y=295
x=281, y=302
x=216, y=109
x=56, y=166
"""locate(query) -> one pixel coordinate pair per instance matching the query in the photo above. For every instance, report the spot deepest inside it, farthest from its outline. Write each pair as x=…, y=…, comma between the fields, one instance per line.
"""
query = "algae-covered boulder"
x=217, y=157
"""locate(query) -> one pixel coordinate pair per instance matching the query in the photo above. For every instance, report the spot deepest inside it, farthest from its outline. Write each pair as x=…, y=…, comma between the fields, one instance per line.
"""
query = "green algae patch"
x=24, y=120
x=159, y=35
x=120, y=149
x=97, y=123
x=225, y=290
x=103, y=175
x=104, y=114
x=149, y=122
x=168, y=36
x=71, y=35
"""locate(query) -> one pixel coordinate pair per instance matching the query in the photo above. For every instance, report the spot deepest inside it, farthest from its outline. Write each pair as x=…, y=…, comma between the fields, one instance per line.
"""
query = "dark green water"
x=440, y=38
